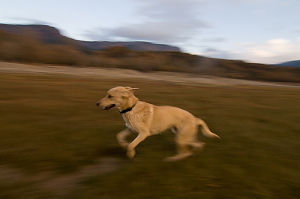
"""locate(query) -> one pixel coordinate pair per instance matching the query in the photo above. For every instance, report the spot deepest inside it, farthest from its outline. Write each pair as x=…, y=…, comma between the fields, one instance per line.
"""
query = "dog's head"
x=119, y=97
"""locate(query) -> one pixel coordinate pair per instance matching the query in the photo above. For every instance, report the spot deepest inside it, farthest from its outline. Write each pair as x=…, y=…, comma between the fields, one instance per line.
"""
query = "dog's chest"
x=134, y=120
x=129, y=122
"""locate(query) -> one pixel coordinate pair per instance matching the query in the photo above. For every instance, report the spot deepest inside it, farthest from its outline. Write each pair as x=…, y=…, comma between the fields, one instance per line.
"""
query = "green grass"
x=50, y=124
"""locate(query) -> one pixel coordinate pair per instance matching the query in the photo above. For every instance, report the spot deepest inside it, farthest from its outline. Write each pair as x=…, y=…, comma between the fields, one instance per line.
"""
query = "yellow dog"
x=147, y=119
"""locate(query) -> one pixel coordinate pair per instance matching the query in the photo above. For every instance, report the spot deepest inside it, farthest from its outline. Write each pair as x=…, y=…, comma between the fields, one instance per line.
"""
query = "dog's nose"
x=97, y=104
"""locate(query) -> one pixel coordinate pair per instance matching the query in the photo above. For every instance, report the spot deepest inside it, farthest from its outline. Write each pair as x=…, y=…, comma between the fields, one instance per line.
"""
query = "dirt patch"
x=9, y=175
x=63, y=184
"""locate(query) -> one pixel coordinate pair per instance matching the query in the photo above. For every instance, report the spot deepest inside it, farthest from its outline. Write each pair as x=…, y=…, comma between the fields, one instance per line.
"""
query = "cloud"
x=154, y=31
x=272, y=51
x=178, y=11
x=214, y=39
x=165, y=32
x=164, y=21
x=28, y=21
x=214, y=53
x=249, y=1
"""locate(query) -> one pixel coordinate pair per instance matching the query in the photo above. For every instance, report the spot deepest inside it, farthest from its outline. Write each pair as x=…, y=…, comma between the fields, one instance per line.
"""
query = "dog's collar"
x=128, y=109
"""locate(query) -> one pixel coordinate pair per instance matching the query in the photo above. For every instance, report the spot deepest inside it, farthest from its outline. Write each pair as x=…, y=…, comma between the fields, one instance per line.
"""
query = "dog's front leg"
x=121, y=138
x=130, y=149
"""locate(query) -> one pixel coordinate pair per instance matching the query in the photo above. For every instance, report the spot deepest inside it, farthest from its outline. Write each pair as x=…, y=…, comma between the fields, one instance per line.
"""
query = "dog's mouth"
x=109, y=107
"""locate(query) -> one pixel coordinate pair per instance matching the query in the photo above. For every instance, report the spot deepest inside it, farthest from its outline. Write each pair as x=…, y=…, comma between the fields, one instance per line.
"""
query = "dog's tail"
x=205, y=130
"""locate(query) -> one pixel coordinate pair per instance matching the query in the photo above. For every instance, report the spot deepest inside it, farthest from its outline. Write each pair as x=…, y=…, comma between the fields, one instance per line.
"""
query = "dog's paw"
x=130, y=154
x=198, y=146
x=177, y=157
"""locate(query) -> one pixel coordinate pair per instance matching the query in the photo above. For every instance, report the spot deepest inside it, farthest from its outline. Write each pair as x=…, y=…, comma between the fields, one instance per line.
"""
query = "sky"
x=261, y=31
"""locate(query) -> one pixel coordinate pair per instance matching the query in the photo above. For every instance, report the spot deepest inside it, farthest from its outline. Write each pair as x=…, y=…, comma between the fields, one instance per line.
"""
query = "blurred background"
x=233, y=63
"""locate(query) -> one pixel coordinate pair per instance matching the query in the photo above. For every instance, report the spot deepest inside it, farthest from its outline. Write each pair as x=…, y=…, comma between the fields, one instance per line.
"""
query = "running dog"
x=147, y=119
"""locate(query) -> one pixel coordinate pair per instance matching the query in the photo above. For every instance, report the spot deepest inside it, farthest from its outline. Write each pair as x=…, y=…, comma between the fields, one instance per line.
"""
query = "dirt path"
x=63, y=184
x=179, y=78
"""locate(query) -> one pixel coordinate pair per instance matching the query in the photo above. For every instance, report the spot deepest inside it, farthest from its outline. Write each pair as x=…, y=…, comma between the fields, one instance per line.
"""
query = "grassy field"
x=55, y=142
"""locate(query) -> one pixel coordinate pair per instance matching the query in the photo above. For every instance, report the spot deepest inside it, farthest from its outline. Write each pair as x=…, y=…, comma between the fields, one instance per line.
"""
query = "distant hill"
x=52, y=35
x=295, y=63
x=44, y=33
x=135, y=45
x=44, y=44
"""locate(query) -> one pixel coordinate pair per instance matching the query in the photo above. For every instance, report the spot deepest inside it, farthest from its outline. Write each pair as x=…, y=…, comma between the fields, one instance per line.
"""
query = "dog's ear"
x=131, y=89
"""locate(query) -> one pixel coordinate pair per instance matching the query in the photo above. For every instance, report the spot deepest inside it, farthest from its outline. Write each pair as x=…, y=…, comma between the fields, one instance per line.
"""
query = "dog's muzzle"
x=109, y=107
x=106, y=107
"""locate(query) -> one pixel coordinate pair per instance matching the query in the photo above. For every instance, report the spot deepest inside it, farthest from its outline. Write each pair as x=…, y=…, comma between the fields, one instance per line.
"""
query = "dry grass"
x=51, y=129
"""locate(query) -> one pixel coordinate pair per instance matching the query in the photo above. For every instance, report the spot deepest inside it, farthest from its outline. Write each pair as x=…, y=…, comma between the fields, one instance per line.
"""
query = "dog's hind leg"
x=197, y=146
x=184, y=139
x=121, y=138
x=183, y=152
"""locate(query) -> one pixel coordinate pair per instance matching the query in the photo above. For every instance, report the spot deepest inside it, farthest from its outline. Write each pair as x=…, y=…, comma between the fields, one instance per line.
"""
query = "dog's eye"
x=110, y=96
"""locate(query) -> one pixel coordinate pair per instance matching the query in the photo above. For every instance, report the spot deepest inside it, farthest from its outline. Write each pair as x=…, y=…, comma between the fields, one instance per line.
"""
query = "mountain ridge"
x=51, y=34
x=295, y=63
